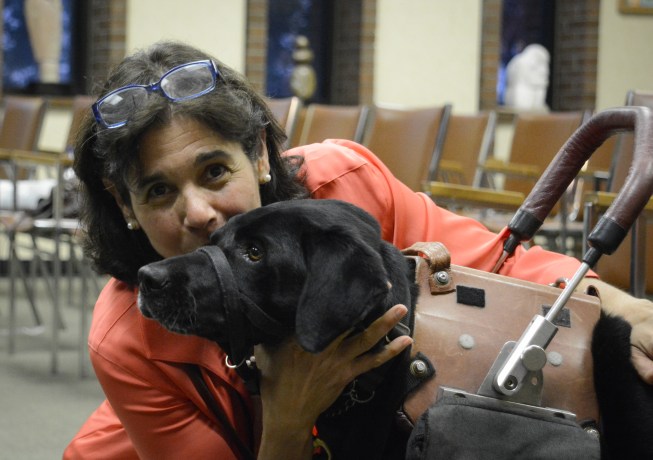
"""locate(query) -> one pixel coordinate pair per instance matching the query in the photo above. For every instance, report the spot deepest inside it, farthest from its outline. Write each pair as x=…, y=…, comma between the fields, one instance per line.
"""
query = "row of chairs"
x=450, y=157
x=35, y=243
x=416, y=133
x=437, y=151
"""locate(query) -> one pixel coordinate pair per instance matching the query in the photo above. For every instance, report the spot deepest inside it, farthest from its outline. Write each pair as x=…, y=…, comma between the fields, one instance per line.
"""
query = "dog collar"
x=241, y=311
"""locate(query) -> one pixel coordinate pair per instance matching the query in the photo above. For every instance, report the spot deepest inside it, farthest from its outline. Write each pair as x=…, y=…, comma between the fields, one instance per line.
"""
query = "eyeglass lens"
x=187, y=81
x=182, y=83
x=118, y=106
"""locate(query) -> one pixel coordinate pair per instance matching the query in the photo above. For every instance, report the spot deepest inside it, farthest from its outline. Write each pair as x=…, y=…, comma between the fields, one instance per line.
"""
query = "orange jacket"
x=152, y=409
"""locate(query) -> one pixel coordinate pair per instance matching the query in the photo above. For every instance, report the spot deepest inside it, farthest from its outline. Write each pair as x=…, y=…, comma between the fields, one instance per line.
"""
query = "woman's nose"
x=199, y=212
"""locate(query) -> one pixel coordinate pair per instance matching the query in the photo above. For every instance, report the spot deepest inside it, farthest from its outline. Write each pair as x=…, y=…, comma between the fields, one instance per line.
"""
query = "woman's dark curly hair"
x=233, y=109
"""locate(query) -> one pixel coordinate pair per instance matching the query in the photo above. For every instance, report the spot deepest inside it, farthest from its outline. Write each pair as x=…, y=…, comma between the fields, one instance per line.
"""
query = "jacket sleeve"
x=160, y=420
x=355, y=174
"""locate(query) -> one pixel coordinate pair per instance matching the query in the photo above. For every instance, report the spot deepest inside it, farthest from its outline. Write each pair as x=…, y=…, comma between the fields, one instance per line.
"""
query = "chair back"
x=21, y=126
x=299, y=127
x=405, y=139
x=81, y=109
x=468, y=141
x=536, y=140
x=285, y=110
x=333, y=122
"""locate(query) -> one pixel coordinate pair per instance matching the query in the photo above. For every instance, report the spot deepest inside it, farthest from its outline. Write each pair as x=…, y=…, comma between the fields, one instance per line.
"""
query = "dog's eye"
x=254, y=253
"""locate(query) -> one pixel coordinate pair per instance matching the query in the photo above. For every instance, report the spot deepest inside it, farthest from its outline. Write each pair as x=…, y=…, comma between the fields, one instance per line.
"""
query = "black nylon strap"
x=231, y=303
x=233, y=439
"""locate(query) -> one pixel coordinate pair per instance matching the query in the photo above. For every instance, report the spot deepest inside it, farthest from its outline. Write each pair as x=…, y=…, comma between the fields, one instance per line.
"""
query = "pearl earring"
x=267, y=178
x=132, y=225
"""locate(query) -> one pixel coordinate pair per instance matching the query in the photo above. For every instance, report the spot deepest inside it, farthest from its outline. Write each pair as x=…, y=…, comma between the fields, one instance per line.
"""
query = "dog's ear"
x=345, y=281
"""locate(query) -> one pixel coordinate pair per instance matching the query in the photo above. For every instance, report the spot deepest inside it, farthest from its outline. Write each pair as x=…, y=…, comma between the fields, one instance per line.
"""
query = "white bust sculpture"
x=527, y=79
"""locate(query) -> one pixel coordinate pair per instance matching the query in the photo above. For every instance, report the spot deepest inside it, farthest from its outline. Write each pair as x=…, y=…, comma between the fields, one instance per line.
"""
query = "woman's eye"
x=157, y=191
x=215, y=171
x=254, y=253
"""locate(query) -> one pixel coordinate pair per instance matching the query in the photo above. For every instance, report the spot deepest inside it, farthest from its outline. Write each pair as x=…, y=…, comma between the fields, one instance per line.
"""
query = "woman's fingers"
x=294, y=380
x=362, y=342
x=356, y=347
x=369, y=361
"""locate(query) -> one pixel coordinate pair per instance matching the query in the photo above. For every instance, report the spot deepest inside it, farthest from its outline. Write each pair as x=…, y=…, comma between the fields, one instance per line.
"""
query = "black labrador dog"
x=317, y=268
x=313, y=268
x=265, y=268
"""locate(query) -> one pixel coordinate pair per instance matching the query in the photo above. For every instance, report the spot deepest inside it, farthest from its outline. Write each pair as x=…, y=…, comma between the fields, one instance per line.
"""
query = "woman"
x=162, y=168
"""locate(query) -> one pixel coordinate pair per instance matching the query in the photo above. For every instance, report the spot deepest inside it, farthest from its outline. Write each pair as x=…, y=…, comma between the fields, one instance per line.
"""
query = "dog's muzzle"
x=220, y=310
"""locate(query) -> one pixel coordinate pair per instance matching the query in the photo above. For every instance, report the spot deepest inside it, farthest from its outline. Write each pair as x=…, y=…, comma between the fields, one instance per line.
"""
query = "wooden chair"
x=21, y=150
x=299, y=127
x=333, y=122
x=43, y=237
x=21, y=126
x=536, y=139
x=635, y=252
x=468, y=142
x=285, y=110
x=405, y=139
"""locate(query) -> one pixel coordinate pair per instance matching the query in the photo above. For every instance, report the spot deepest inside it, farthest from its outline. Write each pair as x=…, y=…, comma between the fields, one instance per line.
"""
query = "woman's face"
x=192, y=182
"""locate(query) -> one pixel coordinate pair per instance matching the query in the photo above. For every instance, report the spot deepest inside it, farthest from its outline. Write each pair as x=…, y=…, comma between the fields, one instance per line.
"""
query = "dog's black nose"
x=152, y=277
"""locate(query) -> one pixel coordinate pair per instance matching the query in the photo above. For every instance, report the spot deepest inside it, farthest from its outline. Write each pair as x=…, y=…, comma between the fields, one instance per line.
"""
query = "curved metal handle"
x=633, y=196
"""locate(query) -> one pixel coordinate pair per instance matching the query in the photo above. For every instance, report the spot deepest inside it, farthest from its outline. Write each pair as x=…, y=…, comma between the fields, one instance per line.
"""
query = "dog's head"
x=313, y=267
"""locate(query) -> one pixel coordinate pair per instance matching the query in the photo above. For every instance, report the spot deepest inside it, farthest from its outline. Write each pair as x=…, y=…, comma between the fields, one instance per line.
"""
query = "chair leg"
x=11, y=345
x=52, y=281
x=90, y=282
x=29, y=290
x=16, y=271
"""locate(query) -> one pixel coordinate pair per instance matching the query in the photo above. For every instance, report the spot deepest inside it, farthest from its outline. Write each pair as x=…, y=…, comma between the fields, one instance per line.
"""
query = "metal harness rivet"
x=442, y=277
x=418, y=368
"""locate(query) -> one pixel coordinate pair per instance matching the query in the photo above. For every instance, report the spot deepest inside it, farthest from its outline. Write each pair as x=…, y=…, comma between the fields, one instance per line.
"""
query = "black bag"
x=459, y=428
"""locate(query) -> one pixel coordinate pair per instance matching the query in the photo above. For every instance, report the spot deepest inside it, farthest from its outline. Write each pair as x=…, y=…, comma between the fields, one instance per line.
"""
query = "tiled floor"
x=40, y=411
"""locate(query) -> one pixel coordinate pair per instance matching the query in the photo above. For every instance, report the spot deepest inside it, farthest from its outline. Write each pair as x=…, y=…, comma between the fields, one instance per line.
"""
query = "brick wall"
x=367, y=40
x=345, y=63
x=257, y=42
x=107, y=47
x=490, y=51
x=576, y=54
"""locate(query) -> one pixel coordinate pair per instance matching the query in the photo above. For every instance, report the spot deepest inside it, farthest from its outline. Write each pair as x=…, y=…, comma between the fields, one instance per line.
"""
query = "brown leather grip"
x=581, y=145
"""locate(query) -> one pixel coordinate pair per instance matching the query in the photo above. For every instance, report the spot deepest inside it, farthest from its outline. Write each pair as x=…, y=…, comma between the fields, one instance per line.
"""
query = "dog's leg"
x=625, y=401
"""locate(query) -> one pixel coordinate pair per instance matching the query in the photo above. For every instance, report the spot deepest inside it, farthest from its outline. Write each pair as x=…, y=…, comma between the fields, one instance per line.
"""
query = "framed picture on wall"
x=636, y=6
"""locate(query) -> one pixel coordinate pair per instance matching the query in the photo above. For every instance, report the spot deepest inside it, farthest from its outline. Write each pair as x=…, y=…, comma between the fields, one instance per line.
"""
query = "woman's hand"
x=297, y=386
x=639, y=313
